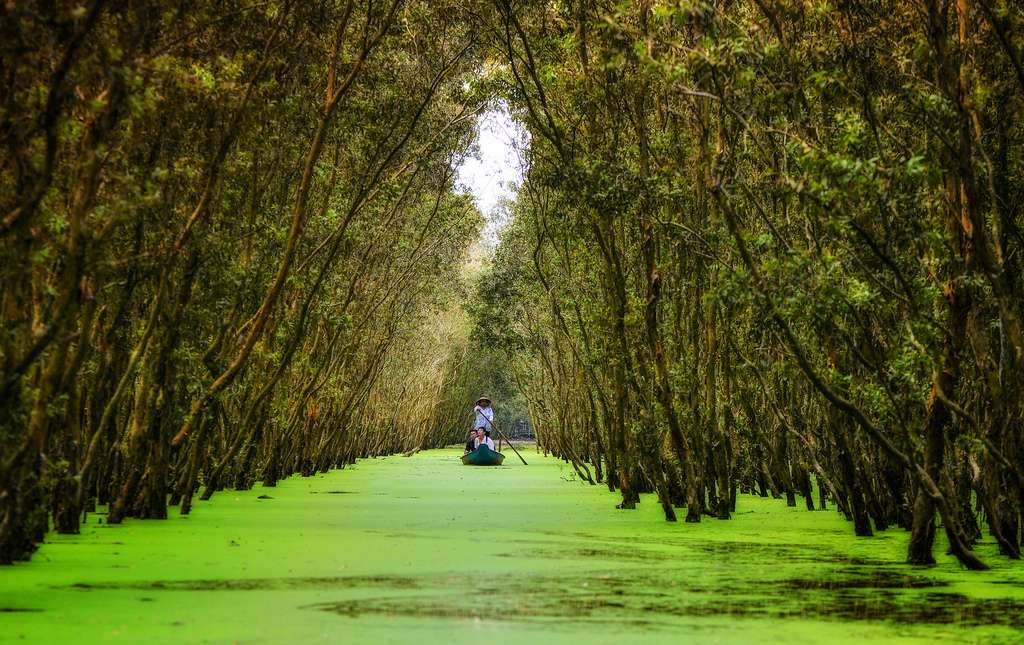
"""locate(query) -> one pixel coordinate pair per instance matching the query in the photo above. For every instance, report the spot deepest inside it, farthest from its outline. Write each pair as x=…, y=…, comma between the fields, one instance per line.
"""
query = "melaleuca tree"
x=222, y=222
x=772, y=240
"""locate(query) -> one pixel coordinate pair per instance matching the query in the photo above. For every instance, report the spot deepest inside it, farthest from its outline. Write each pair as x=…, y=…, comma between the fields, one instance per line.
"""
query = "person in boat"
x=471, y=441
x=484, y=414
x=482, y=438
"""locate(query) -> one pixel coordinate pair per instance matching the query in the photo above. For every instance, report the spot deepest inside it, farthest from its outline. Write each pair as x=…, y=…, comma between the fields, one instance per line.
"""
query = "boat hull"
x=483, y=456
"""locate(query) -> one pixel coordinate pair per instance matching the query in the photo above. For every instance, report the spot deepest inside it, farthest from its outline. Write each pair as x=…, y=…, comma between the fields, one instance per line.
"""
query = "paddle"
x=505, y=437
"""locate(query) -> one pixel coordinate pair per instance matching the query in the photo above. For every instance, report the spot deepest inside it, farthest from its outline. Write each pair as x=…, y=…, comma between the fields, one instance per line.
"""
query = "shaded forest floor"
x=422, y=550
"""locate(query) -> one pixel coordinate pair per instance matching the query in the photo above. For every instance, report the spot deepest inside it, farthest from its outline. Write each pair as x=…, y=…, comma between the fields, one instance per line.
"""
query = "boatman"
x=484, y=414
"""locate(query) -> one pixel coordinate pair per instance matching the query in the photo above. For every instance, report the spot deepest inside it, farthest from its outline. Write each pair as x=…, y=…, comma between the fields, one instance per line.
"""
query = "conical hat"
x=483, y=398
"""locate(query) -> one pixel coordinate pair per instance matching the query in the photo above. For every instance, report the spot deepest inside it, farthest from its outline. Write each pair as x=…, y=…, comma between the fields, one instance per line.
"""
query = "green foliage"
x=730, y=186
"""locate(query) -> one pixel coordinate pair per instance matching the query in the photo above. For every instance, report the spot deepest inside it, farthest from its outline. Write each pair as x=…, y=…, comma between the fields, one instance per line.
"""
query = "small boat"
x=482, y=456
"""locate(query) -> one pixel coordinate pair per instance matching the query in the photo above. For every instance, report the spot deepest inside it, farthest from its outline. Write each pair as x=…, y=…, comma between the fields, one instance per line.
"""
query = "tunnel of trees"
x=761, y=246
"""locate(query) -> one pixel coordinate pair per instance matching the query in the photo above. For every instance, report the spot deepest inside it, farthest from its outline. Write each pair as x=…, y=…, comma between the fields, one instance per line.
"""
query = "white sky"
x=492, y=174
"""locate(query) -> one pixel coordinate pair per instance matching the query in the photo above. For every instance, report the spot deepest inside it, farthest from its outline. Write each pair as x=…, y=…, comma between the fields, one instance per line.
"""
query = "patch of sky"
x=494, y=169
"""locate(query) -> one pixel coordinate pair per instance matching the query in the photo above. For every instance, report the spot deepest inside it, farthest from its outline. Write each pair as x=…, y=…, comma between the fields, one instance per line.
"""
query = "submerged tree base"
x=421, y=549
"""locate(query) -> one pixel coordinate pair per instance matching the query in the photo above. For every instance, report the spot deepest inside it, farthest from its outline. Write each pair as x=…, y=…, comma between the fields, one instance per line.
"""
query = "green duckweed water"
x=425, y=550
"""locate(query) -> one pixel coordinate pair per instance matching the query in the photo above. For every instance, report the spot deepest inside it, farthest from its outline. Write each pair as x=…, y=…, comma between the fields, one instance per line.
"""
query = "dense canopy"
x=768, y=246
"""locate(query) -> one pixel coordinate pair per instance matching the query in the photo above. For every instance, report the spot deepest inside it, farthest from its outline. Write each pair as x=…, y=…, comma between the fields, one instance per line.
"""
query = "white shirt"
x=484, y=417
x=487, y=442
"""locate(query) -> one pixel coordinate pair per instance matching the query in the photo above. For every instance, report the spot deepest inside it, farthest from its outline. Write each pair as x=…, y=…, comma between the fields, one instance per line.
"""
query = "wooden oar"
x=505, y=437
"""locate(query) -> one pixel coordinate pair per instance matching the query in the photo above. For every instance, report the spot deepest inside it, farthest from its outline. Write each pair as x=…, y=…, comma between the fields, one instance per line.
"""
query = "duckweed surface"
x=425, y=550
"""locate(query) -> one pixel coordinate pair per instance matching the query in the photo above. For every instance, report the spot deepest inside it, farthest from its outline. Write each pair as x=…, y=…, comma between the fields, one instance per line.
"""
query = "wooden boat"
x=483, y=456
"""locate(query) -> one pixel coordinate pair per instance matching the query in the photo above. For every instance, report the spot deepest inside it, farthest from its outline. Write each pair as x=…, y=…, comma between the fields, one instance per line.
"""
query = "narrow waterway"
x=425, y=550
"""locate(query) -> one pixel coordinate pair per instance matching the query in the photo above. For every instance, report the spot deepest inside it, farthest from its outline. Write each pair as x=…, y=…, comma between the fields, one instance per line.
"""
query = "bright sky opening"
x=494, y=171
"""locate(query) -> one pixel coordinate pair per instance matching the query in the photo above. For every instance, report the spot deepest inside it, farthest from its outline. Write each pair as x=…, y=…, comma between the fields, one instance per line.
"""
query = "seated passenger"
x=471, y=441
x=482, y=438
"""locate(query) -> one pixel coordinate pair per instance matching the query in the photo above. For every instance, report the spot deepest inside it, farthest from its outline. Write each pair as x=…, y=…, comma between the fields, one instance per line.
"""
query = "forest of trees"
x=765, y=246
x=774, y=246
x=229, y=244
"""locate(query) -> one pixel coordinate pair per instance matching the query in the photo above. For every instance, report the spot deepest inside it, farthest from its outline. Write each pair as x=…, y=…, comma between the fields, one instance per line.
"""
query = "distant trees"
x=768, y=246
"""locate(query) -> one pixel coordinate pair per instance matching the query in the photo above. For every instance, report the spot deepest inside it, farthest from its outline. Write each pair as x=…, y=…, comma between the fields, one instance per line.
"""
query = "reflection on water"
x=647, y=593
x=650, y=599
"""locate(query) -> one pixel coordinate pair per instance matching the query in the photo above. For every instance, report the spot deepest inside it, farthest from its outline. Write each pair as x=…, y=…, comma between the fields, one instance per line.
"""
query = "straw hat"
x=483, y=398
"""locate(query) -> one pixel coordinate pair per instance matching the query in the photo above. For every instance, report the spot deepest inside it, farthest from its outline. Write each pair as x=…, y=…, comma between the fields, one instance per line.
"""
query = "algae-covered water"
x=425, y=550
